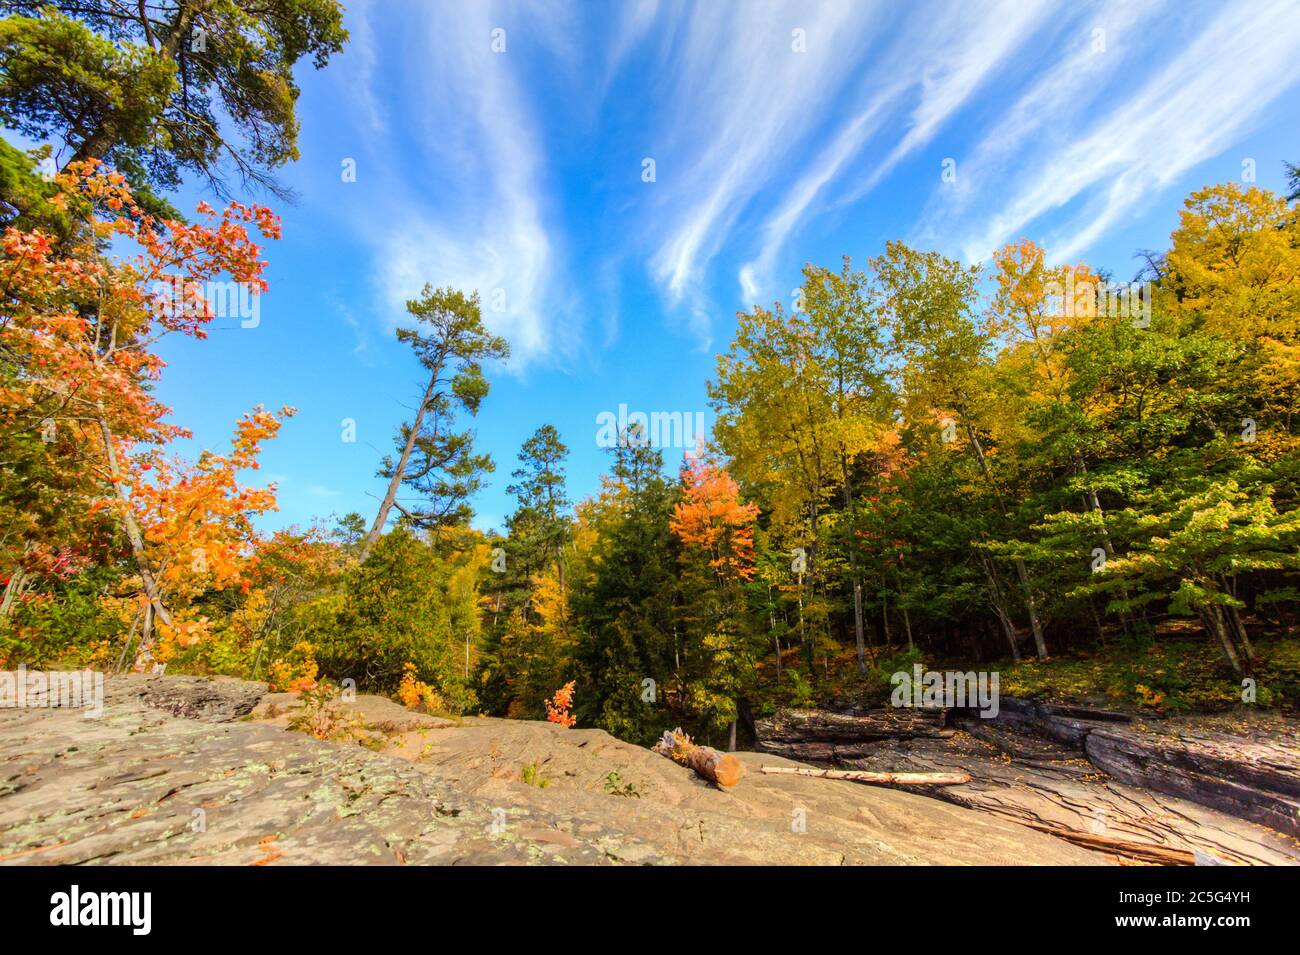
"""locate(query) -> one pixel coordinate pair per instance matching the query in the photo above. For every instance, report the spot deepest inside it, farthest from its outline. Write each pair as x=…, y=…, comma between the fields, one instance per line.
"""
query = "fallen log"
x=721, y=769
x=791, y=728
x=863, y=776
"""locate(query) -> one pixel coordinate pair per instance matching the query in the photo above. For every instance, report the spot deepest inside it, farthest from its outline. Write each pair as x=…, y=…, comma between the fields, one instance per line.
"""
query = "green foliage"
x=66, y=626
x=615, y=786
x=434, y=460
x=800, y=692
x=25, y=193
x=623, y=605
x=1177, y=675
x=532, y=775
x=404, y=604
x=160, y=88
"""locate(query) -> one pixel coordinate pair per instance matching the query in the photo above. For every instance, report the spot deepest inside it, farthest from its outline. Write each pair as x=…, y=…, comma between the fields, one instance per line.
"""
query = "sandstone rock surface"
x=143, y=786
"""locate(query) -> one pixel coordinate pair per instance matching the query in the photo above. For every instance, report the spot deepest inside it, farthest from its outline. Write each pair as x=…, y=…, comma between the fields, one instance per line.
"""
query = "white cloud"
x=464, y=205
x=1192, y=109
x=945, y=56
x=754, y=142
x=361, y=49
x=740, y=101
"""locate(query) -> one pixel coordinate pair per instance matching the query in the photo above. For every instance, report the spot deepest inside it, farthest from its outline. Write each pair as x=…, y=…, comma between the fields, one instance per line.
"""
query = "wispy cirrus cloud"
x=1096, y=44
x=940, y=57
x=746, y=91
x=1114, y=160
x=464, y=182
x=771, y=124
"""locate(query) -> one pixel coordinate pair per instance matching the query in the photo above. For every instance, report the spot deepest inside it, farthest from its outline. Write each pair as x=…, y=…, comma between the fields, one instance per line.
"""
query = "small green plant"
x=532, y=775
x=800, y=691
x=616, y=787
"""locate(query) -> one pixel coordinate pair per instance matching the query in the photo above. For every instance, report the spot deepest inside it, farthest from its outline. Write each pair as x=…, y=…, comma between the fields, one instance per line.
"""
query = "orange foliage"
x=81, y=327
x=79, y=331
x=297, y=672
x=413, y=693
x=710, y=516
x=557, y=708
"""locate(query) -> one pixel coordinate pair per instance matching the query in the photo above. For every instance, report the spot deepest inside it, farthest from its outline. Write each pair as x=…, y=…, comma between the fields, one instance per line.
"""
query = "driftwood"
x=721, y=769
x=823, y=726
x=862, y=776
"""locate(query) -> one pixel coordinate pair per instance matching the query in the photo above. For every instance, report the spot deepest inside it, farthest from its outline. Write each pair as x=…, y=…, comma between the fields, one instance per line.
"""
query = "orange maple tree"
x=711, y=516
x=196, y=520
x=84, y=313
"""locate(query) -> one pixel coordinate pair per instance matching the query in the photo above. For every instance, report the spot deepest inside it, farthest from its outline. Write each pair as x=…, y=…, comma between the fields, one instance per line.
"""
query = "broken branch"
x=862, y=776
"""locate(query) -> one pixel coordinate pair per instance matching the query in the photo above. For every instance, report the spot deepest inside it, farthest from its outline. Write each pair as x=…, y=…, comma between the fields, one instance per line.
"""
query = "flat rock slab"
x=1047, y=784
x=1239, y=774
x=140, y=785
x=213, y=699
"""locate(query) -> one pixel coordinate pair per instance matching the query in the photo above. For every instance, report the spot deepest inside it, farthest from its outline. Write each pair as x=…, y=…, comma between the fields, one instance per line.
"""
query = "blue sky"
x=780, y=133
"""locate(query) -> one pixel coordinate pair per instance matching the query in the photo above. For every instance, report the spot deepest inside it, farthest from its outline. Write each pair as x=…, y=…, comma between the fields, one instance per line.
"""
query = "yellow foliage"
x=413, y=693
x=296, y=672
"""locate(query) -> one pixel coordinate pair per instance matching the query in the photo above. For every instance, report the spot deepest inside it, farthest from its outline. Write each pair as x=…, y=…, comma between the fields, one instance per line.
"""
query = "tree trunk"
x=261, y=645
x=863, y=776
x=399, y=472
x=803, y=635
x=1214, y=624
x=1007, y=626
x=121, y=659
x=12, y=590
x=153, y=593
x=1022, y=573
x=1238, y=625
x=853, y=569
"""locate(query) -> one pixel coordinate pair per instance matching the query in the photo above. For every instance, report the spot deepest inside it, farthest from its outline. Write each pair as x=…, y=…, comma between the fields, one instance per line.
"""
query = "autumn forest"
x=1006, y=466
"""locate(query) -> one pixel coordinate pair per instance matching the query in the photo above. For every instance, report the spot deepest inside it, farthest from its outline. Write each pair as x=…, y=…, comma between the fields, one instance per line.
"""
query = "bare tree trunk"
x=261, y=644
x=853, y=570
x=12, y=590
x=884, y=618
x=1238, y=625
x=1040, y=645
x=152, y=592
x=399, y=472
x=771, y=625
x=1214, y=624
x=121, y=660
x=1096, y=620
x=1007, y=626
x=803, y=636
x=865, y=776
